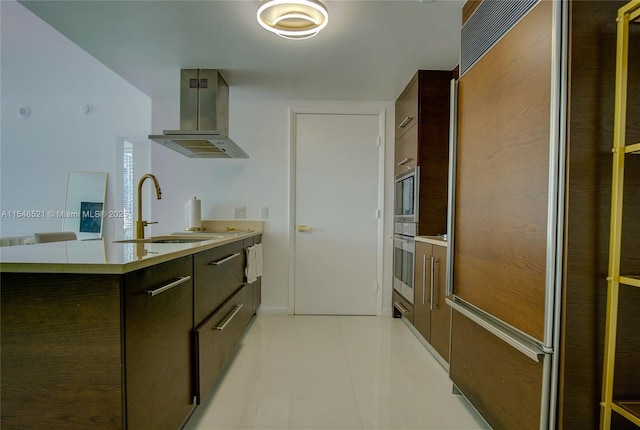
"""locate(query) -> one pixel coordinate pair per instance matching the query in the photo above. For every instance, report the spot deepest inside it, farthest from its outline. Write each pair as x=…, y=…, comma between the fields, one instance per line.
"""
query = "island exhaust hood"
x=204, y=118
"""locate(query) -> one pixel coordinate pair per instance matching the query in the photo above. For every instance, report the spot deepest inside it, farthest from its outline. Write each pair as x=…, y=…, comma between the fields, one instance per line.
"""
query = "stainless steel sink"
x=169, y=239
x=194, y=237
x=178, y=240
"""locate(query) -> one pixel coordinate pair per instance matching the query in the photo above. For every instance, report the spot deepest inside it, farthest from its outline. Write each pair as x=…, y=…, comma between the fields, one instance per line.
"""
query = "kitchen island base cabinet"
x=158, y=303
x=98, y=351
x=115, y=349
x=61, y=352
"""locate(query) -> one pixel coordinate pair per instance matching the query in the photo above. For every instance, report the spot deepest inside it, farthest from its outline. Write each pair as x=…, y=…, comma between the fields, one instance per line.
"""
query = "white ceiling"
x=369, y=50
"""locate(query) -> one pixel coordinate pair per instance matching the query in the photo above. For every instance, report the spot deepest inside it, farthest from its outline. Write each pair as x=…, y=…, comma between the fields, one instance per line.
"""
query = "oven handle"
x=403, y=239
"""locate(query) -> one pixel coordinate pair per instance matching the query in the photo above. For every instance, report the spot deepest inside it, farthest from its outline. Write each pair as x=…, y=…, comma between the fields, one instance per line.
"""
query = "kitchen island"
x=105, y=335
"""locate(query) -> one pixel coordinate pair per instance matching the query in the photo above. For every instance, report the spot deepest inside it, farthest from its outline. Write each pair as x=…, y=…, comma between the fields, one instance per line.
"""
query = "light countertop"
x=434, y=240
x=104, y=257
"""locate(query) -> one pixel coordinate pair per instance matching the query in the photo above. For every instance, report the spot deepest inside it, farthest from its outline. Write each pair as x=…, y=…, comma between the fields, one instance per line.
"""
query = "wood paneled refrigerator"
x=525, y=211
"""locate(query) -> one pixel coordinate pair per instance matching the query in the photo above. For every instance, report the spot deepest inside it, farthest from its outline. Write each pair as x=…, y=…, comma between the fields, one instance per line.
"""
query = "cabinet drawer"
x=218, y=273
x=216, y=339
x=406, y=152
x=402, y=307
x=407, y=108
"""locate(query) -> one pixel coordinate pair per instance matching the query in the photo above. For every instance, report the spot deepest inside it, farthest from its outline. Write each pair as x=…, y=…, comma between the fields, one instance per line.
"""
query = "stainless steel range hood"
x=204, y=118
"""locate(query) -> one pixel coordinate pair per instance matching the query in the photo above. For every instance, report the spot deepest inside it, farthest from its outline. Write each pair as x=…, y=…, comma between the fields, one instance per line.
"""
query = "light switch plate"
x=264, y=212
x=240, y=212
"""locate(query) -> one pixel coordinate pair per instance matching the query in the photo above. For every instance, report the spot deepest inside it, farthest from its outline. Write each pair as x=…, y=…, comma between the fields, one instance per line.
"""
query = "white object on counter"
x=193, y=213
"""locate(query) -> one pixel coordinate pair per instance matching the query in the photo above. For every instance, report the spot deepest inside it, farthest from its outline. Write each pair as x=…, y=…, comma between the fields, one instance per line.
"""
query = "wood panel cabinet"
x=501, y=383
x=61, y=365
x=158, y=319
x=407, y=108
x=218, y=273
x=224, y=304
x=407, y=151
x=217, y=337
x=431, y=315
x=422, y=139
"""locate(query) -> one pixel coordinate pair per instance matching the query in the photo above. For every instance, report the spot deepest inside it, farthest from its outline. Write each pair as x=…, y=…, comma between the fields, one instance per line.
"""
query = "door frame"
x=293, y=116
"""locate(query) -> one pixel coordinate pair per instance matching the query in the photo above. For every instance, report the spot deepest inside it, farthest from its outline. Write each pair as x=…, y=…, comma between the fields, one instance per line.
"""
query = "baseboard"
x=386, y=312
x=267, y=310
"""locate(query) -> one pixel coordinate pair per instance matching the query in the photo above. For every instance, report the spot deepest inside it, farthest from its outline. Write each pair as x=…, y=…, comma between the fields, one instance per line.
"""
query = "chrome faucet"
x=140, y=225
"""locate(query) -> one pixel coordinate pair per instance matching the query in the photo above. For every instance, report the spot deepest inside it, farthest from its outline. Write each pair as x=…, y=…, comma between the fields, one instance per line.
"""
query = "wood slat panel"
x=502, y=176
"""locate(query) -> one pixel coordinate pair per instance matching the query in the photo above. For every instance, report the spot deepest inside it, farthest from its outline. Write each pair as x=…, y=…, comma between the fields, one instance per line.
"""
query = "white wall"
x=262, y=129
x=55, y=78
x=43, y=69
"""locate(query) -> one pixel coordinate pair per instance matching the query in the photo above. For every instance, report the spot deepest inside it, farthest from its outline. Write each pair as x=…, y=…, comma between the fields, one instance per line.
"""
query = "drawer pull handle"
x=224, y=260
x=401, y=308
x=433, y=285
x=404, y=122
x=229, y=317
x=405, y=161
x=424, y=278
x=169, y=286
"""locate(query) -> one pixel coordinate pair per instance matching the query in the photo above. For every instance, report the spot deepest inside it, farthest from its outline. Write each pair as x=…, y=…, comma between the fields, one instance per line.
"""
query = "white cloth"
x=254, y=263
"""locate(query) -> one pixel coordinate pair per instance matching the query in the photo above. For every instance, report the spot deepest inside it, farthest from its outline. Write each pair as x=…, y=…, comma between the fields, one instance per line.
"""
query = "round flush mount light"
x=293, y=19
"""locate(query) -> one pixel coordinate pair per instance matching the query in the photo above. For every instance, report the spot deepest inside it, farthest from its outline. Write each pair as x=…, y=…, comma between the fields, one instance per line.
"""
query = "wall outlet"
x=240, y=212
x=264, y=212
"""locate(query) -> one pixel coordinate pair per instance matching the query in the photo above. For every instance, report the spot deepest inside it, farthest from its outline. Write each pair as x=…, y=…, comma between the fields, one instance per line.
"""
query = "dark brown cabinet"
x=116, y=351
x=158, y=319
x=431, y=315
x=224, y=304
x=407, y=108
x=61, y=352
x=218, y=272
x=422, y=139
x=217, y=337
x=98, y=351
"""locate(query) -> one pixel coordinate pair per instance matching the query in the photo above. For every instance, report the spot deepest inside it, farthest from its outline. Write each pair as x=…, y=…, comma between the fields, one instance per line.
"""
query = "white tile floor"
x=333, y=372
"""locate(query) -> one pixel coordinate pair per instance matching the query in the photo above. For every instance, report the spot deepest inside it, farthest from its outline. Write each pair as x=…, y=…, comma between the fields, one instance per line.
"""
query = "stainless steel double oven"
x=406, y=199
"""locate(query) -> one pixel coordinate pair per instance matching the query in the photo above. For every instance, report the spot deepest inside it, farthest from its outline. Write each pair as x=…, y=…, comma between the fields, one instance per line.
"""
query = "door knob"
x=304, y=228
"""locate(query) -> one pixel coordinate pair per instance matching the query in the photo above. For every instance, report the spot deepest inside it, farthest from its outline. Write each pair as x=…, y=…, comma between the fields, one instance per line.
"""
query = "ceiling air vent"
x=489, y=22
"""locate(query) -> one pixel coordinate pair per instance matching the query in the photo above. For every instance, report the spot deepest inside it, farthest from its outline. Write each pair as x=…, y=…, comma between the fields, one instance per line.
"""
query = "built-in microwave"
x=406, y=200
x=406, y=196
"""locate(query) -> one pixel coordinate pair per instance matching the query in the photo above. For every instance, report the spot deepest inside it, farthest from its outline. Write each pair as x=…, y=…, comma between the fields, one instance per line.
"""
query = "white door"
x=336, y=202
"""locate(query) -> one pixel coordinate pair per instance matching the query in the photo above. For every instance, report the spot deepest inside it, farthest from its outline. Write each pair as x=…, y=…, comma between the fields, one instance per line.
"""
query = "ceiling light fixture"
x=293, y=19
